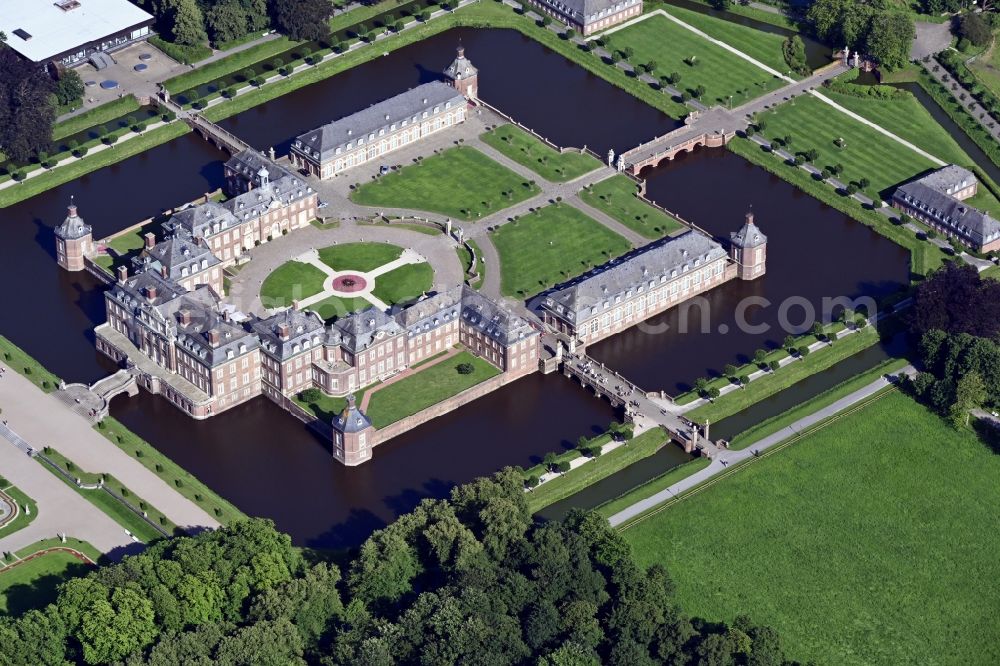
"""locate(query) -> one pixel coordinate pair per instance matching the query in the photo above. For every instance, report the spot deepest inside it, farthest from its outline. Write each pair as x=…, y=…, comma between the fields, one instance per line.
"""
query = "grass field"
x=359, y=256
x=460, y=182
x=327, y=406
x=336, y=307
x=987, y=67
x=404, y=283
x=762, y=46
x=722, y=73
x=291, y=281
x=616, y=196
x=176, y=476
x=871, y=541
x=594, y=470
x=785, y=376
x=815, y=125
x=541, y=158
x=924, y=256
x=426, y=387
x=549, y=246
x=33, y=584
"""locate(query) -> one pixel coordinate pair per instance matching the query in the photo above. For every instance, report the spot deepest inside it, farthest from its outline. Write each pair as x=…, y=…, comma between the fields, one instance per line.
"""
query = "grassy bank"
x=649, y=489
x=93, y=162
x=543, y=159
x=594, y=470
x=785, y=376
x=839, y=540
x=826, y=398
x=616, y=196
x=173, y=474
x=96, y=116
x=20, y=362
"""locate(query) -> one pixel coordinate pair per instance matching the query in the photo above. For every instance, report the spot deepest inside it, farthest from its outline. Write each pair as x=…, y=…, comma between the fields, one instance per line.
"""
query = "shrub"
x=531, y=482
x=562, y=467
x=804, y=350
x=744, y=380
x=774, y=365
x=159, y=467
x=464, y=368
x=714, y=393
x=311, y=395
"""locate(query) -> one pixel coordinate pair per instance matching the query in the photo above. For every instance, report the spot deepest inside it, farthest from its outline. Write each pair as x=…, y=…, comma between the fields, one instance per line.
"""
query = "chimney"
x=150, y=240
x=283, y=331
x=122, y=274
x=185, y=317
x=750, y=217
x=213, y=337
x=151, y=292
x=163, y=271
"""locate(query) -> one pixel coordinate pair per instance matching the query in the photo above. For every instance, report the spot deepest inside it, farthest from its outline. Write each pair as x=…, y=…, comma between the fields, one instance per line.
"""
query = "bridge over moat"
x=712, y=128
x=92, y=401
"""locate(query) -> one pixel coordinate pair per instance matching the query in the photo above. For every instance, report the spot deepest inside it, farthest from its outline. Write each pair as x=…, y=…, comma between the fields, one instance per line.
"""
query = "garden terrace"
x=403, y=284
x=292, y=281
x=878, y=494
x=617, y=196
x=552, y=245
x=677, y=50
x=425, y=388
x=31, y=580
x=526, y=149
x=460, y=182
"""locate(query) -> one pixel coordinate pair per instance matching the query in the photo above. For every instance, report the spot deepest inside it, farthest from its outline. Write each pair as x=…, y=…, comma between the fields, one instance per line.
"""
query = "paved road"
x=975, y=109
x=728, y=457
x=931, y=38
x=43, y=420
x=60, y=508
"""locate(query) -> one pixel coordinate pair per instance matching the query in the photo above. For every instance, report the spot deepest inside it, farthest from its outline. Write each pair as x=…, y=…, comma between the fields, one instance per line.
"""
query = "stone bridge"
x=92, y=401
x=642, y=408
x=712, y=128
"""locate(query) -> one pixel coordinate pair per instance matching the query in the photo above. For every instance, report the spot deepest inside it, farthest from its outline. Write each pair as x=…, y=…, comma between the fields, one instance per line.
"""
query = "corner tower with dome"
x=748, y=248
x=74, y=240
x=462, y=75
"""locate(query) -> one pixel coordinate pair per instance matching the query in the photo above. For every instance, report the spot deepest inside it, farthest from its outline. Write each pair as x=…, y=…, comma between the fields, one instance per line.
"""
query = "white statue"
x=611, y=157
x=621, y=163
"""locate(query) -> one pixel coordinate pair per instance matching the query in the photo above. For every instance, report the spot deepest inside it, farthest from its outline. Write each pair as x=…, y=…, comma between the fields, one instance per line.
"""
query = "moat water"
x=265, y=461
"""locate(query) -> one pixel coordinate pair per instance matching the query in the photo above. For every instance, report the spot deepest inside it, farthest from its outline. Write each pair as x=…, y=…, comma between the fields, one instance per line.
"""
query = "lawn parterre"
x=669, y=46
x=551, y=245
x=293, y=280
x=362, y=257
x=33, y=583
x=840, y=540
x=23, y=518
x=616, y=196
x=460, y=182
x=427, y=387
x=403, y=284
x=335, y=307
x=541, y=158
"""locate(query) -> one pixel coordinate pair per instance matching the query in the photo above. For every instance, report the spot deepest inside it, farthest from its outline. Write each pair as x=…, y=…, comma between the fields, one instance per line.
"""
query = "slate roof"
x=351, y=419
x=655, y=263
x=431, y=312
x=949, y=179
x=359, y=330
x=305, y=331
x=971, y=223
x=73, y=227
x=249, y=163
x=134, y=292
x=175, y=254
x=231, y=340
x=460, y=68
x=492, y=319
x=749, y=234
x=322, y=143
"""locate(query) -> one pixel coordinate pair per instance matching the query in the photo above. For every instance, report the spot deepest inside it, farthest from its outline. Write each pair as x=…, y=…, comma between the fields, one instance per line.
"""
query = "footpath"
x=728, y=457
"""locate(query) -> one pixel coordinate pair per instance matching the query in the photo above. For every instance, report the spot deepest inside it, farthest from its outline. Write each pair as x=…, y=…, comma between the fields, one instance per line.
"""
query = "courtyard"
x=839, y=541
x=546, y=161
x=460, y=182
x=551, y=245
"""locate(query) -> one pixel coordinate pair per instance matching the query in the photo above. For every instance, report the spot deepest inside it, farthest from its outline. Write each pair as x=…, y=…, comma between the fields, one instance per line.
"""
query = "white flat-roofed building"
x=69, y=31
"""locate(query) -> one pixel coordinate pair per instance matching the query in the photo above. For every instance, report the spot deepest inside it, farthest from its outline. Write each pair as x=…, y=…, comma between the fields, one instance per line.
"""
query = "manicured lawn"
x=616, y=196
x=33, y=584
x=362, y=257
x=722, y=73
x=19, y=361
x=404, y=283
x=176, y=476
x=541, y=158
x=327, y=406
x=594, y=470
x=550, y=246
x=23, y=519
x=129, y=242
x=987, y=67
x=812, y=124
x=96, y=116
x=426, y=387
x=762, y=46
x=665, y=480
x=785, y=376
x=291, y=281
x=460, y=182
x=870, y=541
x=924, y=256
x=770, y=426
x=336, y=307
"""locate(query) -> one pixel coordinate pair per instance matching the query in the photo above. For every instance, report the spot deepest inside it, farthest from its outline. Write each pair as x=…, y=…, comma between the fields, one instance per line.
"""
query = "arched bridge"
x=713, y=128
x=92, y=401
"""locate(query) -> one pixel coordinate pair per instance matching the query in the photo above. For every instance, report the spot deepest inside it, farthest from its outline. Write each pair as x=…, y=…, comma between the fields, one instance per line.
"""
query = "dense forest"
x=469, y=580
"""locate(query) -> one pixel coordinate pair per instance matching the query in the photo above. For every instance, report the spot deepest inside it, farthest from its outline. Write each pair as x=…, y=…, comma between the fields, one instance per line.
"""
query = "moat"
x=265, y=461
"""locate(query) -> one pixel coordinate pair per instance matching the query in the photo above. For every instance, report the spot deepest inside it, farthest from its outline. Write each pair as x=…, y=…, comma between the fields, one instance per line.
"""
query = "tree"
x=113, y=628
x=744, y=380
x=970, y=393
x=302, y=19
x=759, y=356
x=729, y=370
x=26, y=111
x=788, y=343
x=226, y=21
x=187, y=23
x=889, y=37
x=69, y=88
x=794, y=50
x=773, y=365
x=714, y=393
x=975, y=29
x=803, y=351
